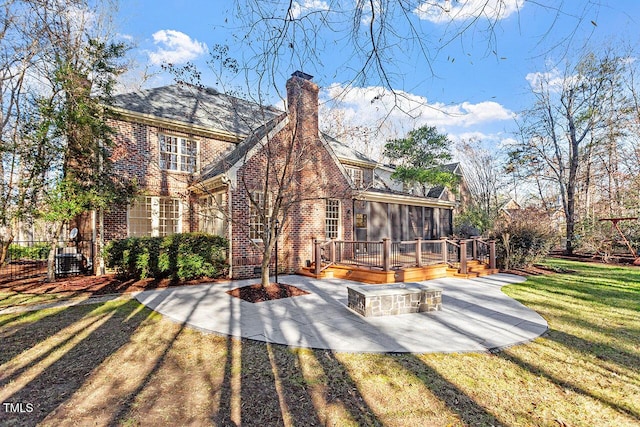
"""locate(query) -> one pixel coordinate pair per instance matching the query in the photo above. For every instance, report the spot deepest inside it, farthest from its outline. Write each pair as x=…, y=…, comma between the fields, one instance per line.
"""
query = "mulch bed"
x=91, y=285
x=274, y=291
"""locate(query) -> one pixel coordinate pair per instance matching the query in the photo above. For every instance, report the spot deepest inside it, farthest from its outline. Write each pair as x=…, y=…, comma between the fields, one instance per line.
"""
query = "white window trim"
x=338, y=219
x=211, y=210
x=155, y=215
x=178, y=154
x=265, y=206
x=353, y=171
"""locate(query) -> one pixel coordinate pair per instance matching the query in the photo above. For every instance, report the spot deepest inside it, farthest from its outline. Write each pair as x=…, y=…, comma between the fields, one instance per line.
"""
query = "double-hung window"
x=212, y=218
x=155, y=216
x=258, y=213
x=332, y=218
x=177, y=153
x=356, y=176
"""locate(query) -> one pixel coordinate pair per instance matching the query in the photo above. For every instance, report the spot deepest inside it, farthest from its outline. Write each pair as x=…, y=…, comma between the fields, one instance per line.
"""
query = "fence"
x=28, y=259
x=387, y=255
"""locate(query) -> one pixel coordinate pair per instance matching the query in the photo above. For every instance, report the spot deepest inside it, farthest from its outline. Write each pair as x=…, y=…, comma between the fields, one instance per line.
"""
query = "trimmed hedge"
x=178, y=256
x=37, y=251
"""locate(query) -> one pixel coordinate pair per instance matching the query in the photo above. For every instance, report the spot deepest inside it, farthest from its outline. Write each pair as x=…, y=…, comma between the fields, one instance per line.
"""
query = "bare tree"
x=482, y=176
x=60, y=68
x=570, y=120
x=376, y=38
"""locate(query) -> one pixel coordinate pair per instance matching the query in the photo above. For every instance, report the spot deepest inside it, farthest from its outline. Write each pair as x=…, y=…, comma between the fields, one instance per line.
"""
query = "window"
x=155, y=216
x=178, y=154
x=257, y=213
x=212, y=218
x=332, y=219
x=361, y=220
x=356, y=176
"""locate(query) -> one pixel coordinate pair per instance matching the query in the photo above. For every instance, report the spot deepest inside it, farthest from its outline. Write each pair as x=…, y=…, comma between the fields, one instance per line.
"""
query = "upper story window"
x=177, y=153
x=356, y=176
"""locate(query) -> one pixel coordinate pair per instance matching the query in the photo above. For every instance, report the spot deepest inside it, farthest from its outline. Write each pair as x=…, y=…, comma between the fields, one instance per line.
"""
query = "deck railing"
x=387, y=255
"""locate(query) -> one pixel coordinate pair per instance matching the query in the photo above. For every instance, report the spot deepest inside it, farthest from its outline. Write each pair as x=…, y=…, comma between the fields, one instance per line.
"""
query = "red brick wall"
x=136, y=157
x=313, y=176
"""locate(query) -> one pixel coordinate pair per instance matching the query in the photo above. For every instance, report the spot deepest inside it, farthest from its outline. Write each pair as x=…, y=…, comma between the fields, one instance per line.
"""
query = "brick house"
x=206, y=161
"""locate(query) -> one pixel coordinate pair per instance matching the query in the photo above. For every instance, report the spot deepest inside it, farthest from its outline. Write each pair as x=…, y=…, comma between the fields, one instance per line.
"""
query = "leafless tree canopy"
x=574, y=137
x=379, y=41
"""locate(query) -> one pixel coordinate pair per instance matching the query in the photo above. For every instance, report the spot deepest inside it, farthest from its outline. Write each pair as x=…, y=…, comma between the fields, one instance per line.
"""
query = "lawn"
x=119, y=363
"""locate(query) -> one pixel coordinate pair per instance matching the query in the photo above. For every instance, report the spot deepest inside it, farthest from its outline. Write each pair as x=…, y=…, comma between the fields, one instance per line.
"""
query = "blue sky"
x=472, y=86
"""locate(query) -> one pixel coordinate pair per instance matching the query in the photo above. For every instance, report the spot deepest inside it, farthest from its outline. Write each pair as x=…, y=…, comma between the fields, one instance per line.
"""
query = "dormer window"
x=356, y=176
x=177, y=153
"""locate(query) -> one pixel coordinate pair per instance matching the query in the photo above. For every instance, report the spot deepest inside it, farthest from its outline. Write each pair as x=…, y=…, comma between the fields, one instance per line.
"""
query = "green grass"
x=119, y=363
x=8, y=299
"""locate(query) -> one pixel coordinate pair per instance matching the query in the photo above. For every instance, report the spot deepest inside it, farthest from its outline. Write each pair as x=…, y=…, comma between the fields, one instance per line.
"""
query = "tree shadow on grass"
x=61, y=379
x=17, y=339
x=566, y=383
x=456, y=400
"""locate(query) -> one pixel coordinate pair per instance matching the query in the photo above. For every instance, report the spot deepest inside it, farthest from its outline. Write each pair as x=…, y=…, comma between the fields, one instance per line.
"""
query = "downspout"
x=227, y=181
x=101, y=242
x=353, y=219
x=94, y=241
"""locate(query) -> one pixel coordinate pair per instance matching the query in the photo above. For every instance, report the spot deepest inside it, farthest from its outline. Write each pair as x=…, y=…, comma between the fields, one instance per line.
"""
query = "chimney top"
x=302, y=75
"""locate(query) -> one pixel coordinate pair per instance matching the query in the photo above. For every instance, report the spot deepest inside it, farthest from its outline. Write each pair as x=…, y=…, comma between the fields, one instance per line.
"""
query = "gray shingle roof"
x=199, y=106
x=344, y=152
x=239, y=152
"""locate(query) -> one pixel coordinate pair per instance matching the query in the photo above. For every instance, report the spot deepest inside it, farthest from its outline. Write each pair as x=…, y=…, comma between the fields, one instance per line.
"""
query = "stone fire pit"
x=392, y=299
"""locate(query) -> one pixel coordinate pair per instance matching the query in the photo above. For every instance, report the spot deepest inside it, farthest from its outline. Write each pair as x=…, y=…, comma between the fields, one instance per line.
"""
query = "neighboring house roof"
x=348, y=154
x=202, y=107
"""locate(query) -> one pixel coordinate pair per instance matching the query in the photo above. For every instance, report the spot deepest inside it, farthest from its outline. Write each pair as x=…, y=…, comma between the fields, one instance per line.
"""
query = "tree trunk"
x=266, y=260
x=4, y=248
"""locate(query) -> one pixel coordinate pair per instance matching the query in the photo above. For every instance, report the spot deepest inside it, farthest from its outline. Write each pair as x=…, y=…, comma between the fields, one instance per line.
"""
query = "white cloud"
x=392, y=115
x=175, y=47
x=298, y=9
x=375, y=103
x=463, y=10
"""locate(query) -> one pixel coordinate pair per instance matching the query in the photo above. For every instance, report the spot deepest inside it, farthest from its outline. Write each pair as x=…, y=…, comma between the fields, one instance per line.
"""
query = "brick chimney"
x=302, y=100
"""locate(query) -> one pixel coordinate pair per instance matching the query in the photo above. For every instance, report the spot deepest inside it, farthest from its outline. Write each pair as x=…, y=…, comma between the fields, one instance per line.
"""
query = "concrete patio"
x=476, y=317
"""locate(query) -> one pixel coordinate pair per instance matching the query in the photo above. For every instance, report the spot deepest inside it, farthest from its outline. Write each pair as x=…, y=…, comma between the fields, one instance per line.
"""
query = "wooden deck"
x=408, y=274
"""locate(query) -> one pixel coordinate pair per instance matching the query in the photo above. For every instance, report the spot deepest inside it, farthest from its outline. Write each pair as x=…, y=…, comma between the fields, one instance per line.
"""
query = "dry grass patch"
x=120, y=364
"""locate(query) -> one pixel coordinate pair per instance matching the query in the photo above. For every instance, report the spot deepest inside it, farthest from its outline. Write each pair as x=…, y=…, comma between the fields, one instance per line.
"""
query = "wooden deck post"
x=332, y=250
x=386, y=254
x=318, y=258
x=463, y=257
x=444, y=250
x=474, y=249
x=419, y=252
x=492, y=254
